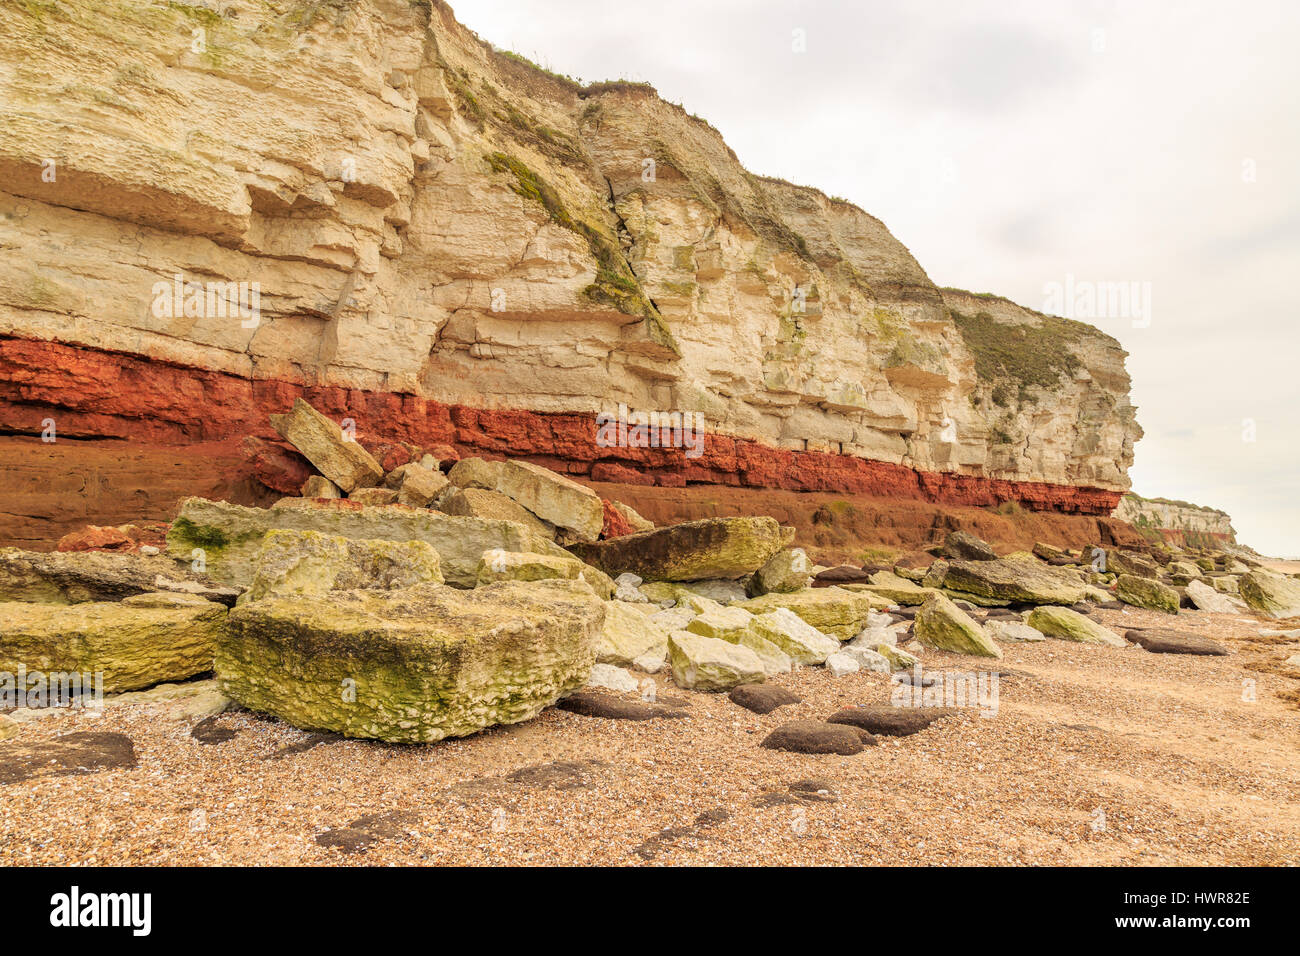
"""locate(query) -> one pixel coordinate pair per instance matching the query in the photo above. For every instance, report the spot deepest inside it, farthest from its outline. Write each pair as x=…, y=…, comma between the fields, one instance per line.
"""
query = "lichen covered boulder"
x=322, y=442
x=228, y=537
x=787, y=570
x=73, y=578
x=707, y=663
x=1147, y=593
x=1014, y=579
x=1069, y=625
x=413, y=665
x=834, y=611
x=942, y=625
x=630, y=638
x=1270, y=595
x=802, y=642
x=308, y=562
x=167, y=638
x=692, y=551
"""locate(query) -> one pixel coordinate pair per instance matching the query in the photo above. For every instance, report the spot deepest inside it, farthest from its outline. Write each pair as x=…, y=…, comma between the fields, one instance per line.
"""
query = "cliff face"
x=1177, y=521
x=447, y=244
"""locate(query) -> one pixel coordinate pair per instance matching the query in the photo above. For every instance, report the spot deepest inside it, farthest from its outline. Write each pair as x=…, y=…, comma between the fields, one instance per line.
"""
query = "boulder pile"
x=408, y=598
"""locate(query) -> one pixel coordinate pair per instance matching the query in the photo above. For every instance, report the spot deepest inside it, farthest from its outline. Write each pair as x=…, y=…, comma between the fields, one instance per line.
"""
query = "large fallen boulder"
x=551, y=497
x=630, y=638
x=942, y=625
x=1147, y=593
x=1018, y=579
x=898, y=589
x=1271, y=595
x=228, y=536
x=414, y=665
x=691, y=551
x=322, y=442
x=498, y=565
x=132, y=646
x=707, y=663
x=736, y=626
x=1207, y=598
x=832, y=610
x=802, y=642
x=308, y=562
x=1070, y=625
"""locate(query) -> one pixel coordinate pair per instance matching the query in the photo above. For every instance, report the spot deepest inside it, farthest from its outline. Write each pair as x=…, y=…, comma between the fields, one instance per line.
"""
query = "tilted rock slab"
x=1211, y=599
x=707, y=663
x=322, y=442
x=1271, y=595
x=943, y=625
x=308, y=562
x=413, y=665
x=134, y=646
x=834, y=611
x=1147, y=593
x=1070, y=625
x=77, y=577
x=692, y=551
x=230, y=535
x=482, y=503
x=1014, y=579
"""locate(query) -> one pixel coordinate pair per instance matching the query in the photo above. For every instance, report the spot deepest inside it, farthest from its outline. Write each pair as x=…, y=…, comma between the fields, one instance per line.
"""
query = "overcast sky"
x=1012, y=145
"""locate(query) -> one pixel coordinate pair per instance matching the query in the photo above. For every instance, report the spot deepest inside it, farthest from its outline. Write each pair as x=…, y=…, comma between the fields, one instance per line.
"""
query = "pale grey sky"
x=1012, y=144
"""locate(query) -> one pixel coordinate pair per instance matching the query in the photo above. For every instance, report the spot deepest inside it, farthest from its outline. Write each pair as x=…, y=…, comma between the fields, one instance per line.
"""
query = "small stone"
x=841, y=664
x=318, y=486
x=612, y=678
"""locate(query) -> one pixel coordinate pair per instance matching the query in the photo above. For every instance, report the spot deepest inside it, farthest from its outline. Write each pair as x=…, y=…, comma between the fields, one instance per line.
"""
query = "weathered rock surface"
x=1272, y=595
x=1068, y=625
x=481, y=503
x=416, y=485
x=1207, y=598
x=231, y=535
x=1144, y=592
x=1012, y=632
x=707, y=663
x=414, y=665
x=56, y=578
x=497, y=565
x=889, y=721
x=762, y=698
x=308, y=563
x=132, y=646
x=941, y=624
x=785, y=571
x=963, y=546
x=322, y=442
x=629, y=638
x=833, y=611
x=802, y=642
x=1164, y=640
x=692, y=551
x=1014, y=579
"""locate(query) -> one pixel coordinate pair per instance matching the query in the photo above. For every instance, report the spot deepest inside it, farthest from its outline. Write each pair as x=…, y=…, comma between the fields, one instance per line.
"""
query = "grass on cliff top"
x=1024, y=354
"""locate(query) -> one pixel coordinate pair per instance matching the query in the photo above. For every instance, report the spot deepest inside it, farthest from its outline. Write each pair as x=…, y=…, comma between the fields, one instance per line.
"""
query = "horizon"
x=1202, y=311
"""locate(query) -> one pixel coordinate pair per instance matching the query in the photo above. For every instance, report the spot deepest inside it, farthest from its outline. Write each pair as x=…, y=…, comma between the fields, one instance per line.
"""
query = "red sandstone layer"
x=99, y=394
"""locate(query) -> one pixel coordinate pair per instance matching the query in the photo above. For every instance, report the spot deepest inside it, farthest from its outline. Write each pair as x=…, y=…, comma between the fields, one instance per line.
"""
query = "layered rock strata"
x=363, y=204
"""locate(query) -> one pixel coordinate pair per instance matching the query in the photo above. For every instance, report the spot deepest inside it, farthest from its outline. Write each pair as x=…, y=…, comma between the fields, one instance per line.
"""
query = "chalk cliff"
x=445, y=243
